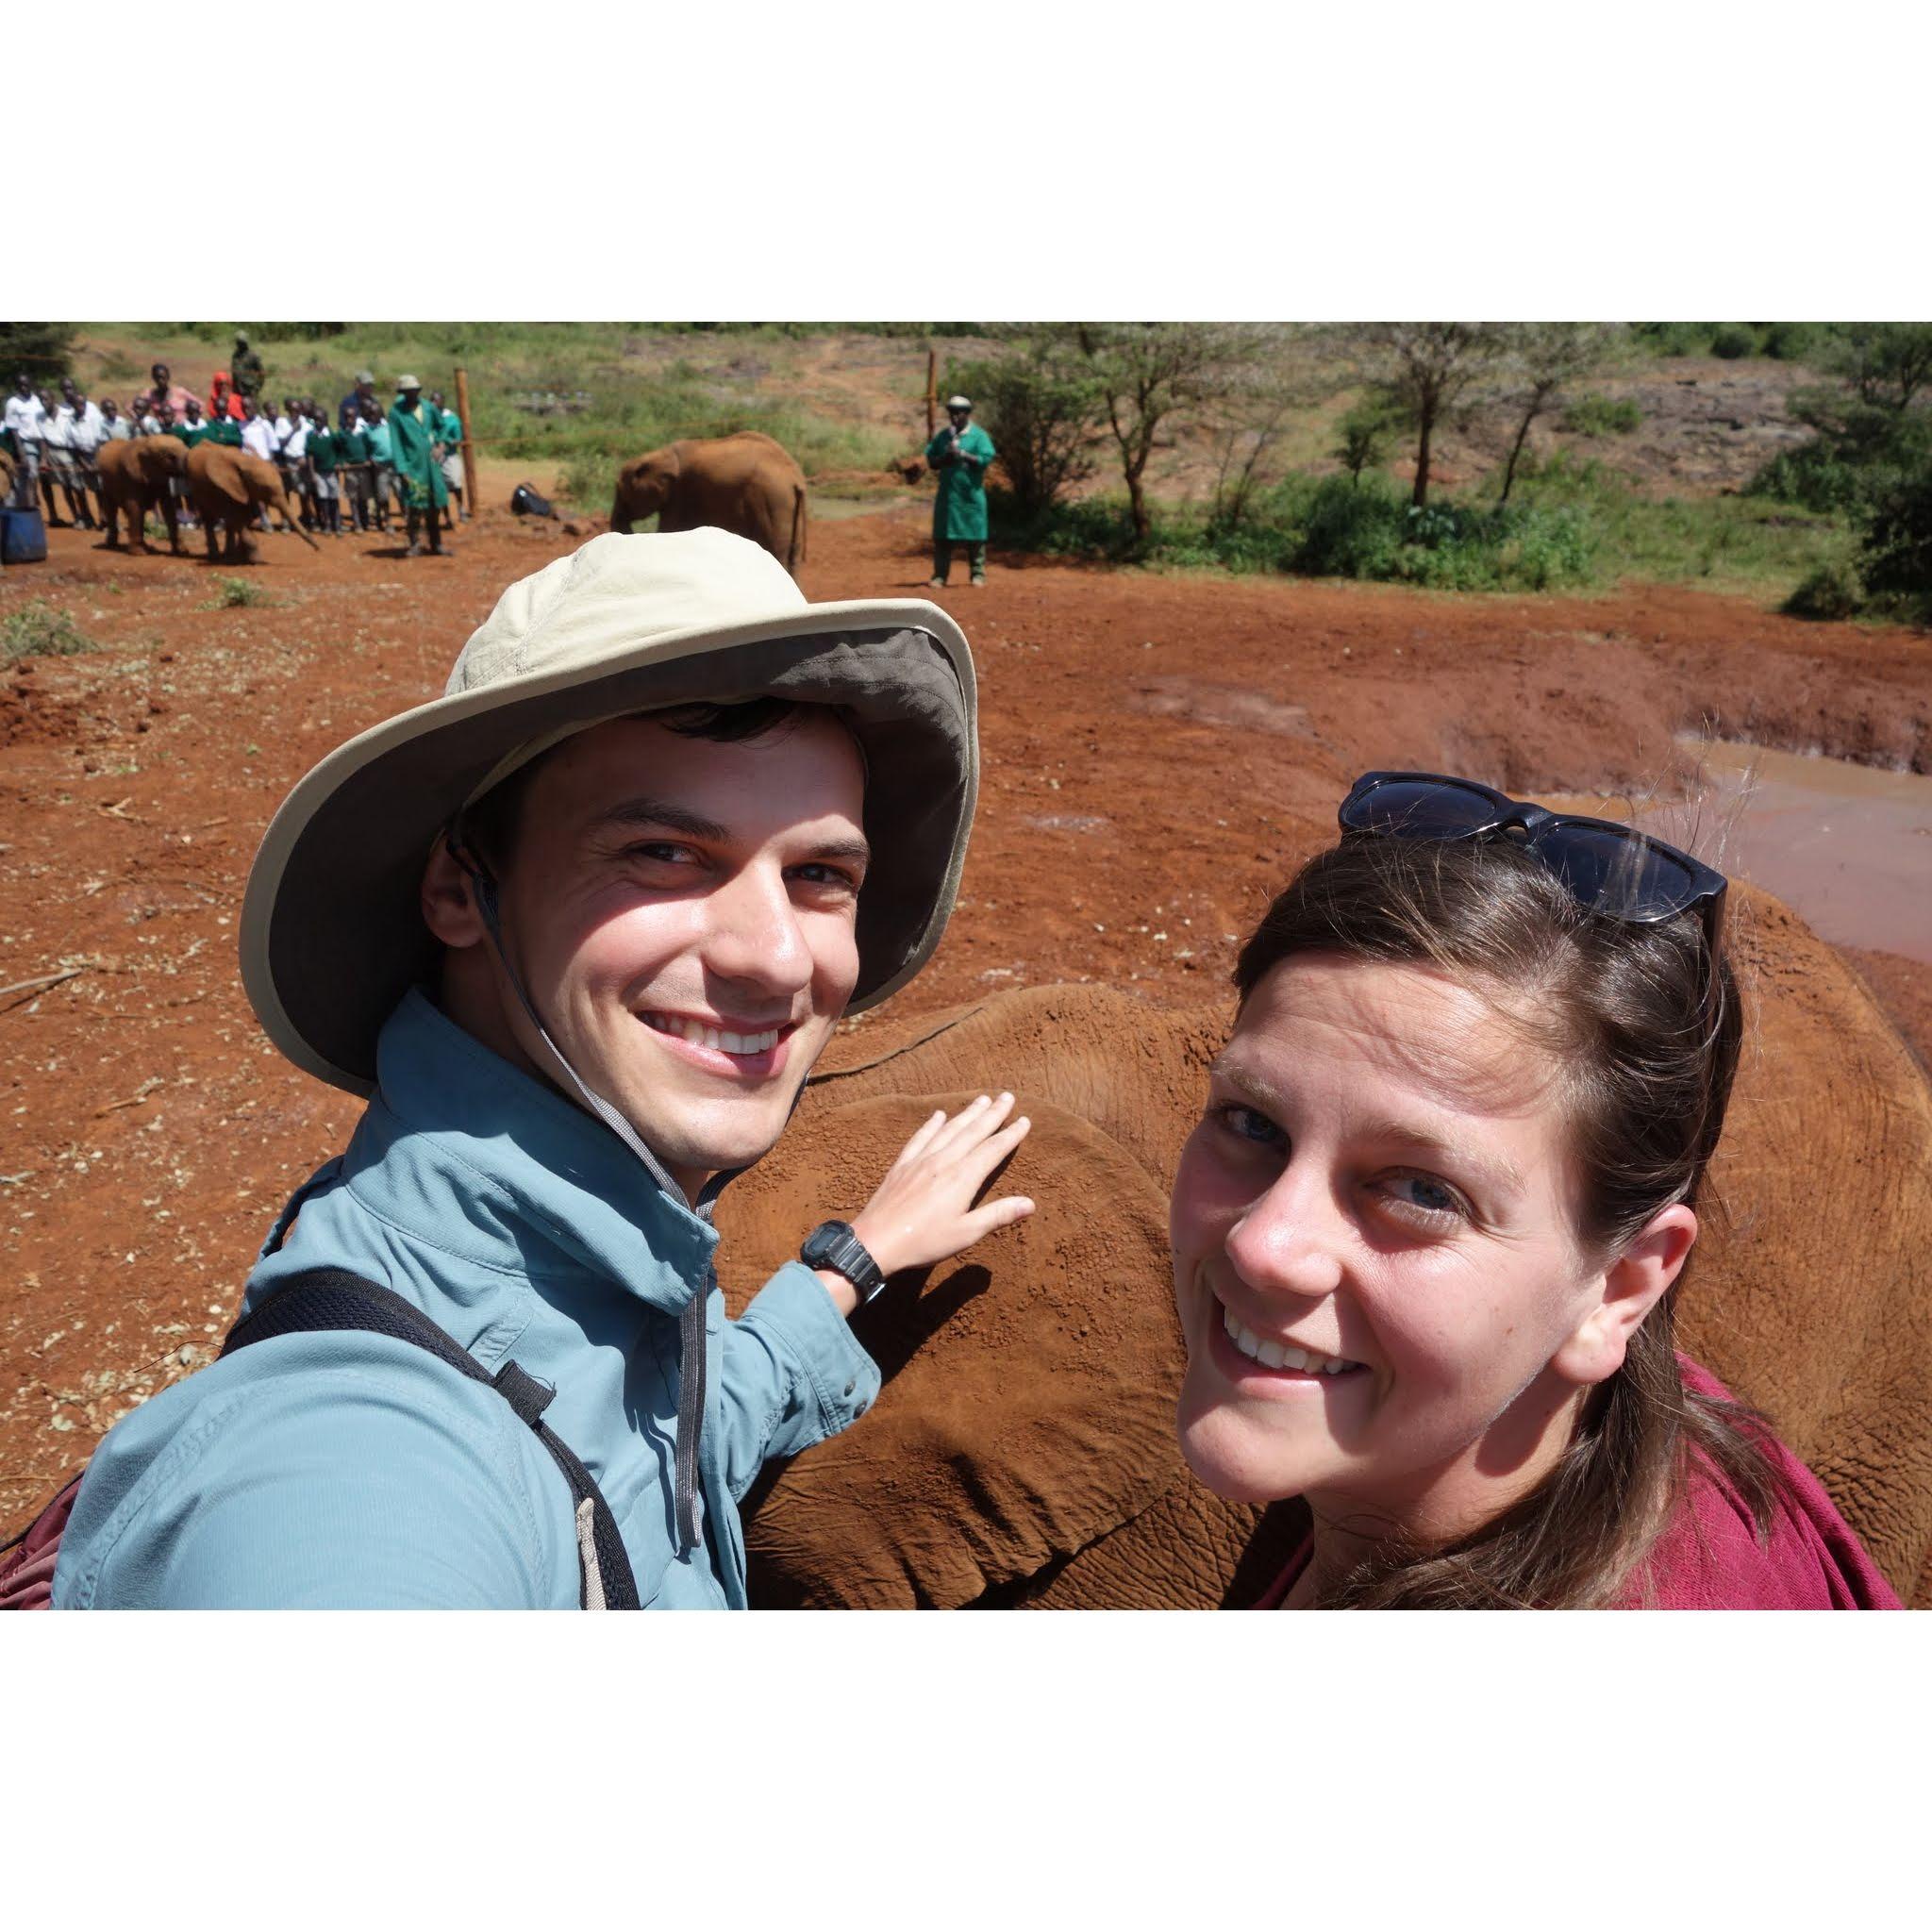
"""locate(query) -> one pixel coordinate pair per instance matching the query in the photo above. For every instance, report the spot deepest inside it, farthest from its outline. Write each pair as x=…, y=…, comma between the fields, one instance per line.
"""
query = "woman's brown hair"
x=1645, y=1025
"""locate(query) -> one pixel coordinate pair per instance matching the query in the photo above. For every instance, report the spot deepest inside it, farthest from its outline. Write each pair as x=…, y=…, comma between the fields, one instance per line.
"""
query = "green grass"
x=234, y=593
x=37, y=629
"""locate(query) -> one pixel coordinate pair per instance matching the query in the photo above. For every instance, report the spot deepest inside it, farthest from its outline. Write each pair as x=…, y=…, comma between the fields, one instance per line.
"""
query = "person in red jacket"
x=1429, y=1234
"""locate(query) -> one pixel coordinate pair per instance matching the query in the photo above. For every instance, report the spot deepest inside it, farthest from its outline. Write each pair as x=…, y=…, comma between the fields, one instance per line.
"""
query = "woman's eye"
x=1246, y=1125
x=1422, y=1193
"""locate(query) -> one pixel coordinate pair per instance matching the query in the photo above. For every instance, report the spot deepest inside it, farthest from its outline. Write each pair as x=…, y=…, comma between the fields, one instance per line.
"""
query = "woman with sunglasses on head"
x=1430, y=1229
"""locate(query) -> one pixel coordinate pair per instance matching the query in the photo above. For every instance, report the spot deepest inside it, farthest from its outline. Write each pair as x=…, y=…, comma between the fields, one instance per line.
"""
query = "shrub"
x=1898, y=538
x=1830, y=592
x=1600, y=415
x=1350, y=530
x=1366, y=432
x=1791, y=341
x=1732, y=341
x=1044, y=416
x=236, y=594
x=38, y=631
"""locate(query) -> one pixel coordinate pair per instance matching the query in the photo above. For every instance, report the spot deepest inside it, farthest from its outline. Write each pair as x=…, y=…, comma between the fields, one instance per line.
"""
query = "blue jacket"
x=339, y=1470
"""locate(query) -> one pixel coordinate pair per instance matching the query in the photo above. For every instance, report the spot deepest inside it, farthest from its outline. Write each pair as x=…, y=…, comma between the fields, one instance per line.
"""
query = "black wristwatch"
x=832, y=1244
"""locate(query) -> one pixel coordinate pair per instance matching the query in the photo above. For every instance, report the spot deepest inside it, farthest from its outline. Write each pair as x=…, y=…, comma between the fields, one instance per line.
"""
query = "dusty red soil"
x=1157, y=751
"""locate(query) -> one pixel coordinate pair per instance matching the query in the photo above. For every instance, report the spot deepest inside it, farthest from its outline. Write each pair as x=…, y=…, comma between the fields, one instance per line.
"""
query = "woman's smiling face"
x=1381, y=1180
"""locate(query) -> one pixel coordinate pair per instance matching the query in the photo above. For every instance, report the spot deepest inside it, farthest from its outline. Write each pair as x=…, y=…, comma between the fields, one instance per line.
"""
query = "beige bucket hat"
x=332, y=935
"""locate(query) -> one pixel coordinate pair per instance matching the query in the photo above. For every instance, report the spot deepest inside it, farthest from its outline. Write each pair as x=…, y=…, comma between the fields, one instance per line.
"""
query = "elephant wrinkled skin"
x=227, y=486
x=746, y=483
x=1023, y=1450
x=135, y=473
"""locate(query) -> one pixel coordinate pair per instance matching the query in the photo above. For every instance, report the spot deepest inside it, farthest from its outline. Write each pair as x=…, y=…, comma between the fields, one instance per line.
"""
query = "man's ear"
x=1628, y=1289
x=449, y=898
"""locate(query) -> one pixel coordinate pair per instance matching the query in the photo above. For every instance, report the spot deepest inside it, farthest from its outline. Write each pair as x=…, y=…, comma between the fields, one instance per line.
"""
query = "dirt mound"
x=31, y=716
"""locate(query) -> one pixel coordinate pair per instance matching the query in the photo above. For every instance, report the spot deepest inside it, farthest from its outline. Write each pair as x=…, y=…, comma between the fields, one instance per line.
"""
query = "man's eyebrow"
x=856, y=850
x=659, y=814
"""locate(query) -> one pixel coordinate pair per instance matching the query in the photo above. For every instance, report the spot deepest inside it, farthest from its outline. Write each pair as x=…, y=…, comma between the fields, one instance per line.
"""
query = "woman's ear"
x=1627, y=1289
x=449, y=898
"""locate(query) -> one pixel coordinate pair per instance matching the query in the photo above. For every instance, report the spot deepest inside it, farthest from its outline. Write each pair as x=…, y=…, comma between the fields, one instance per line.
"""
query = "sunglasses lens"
x=1618, y=872
x=1421, y=808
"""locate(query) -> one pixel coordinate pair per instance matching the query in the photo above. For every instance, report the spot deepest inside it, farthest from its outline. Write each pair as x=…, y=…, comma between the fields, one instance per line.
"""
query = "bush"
x=1791, y=341
x=1733, y=340
x=236, y=594
x=38, y=631
x=1831, y=592
x=1898, y=540
x=1600, y=415
x=1350, y=530
x=1044, y=416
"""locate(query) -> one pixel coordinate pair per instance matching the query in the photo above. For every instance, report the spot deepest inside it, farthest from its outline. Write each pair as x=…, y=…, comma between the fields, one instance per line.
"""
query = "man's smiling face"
x=683, y=914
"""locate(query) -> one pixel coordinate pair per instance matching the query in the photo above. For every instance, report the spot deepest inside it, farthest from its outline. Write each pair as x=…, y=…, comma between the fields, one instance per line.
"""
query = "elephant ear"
x=220, y=473
x=1028, y=1406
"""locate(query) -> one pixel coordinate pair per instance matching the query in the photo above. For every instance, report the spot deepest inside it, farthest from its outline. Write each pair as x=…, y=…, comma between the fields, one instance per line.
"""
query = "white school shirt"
x=295, y=444
x=25, y=416
x=118, y=430
x=90, y=429
x=57, y=432
x=258, y=439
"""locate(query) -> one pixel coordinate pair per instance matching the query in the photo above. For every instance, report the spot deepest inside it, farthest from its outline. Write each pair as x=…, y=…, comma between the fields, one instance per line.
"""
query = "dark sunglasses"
x=1610, y=869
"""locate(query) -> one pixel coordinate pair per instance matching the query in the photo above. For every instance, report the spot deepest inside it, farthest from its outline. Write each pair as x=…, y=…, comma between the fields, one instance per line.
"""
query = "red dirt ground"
x=1157, y=751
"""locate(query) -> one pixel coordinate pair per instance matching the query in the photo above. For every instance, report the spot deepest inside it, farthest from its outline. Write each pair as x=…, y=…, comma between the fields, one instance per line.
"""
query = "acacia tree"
x=1542, y=359
x=1147, y=371
x=1270, y=381
x=1887, y=363
x=1423, y=368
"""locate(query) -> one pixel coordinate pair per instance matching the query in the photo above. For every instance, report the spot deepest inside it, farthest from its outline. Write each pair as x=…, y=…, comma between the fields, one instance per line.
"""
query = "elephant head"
x=643, y=487
x=159, y=458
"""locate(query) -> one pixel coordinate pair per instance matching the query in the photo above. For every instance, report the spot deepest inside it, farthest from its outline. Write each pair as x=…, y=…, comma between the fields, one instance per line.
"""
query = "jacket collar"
x=528, y=1177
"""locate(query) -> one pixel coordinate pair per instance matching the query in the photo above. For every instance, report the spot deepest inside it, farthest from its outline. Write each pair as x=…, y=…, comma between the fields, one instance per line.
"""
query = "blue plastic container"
x=22, y=536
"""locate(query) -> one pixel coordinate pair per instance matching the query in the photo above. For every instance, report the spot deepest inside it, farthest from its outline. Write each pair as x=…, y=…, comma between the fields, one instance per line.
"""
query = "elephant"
x=746, y=483
x=1023, y=1452
x=228, y=485
x=134, y=474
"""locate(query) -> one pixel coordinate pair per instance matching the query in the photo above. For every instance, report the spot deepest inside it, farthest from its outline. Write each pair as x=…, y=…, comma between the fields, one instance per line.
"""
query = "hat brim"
x=332, y=933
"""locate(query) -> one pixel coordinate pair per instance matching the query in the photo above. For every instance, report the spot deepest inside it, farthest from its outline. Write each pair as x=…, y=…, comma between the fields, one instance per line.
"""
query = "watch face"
x=823, y=1243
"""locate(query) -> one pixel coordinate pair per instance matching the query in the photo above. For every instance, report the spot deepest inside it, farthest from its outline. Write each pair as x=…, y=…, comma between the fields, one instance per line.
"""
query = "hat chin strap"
x=691, y=1320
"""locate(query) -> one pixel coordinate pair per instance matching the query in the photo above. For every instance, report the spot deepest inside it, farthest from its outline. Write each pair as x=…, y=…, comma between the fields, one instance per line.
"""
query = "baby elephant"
x=227, y=486
x=135, y=477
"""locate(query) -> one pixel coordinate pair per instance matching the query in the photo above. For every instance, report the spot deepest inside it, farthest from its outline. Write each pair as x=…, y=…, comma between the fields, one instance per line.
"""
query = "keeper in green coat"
x=416, y=438
x=958, y=455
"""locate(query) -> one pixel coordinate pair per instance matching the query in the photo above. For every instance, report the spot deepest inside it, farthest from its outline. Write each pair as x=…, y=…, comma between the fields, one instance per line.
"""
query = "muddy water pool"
x=1848, y=847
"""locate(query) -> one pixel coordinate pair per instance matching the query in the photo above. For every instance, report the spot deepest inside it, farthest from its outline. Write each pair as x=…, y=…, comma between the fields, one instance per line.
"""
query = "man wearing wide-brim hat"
x=577, y=930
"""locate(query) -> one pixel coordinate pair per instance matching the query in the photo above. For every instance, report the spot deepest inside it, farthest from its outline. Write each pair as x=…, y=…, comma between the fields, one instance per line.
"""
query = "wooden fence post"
x=932, y=392
x=469, y=445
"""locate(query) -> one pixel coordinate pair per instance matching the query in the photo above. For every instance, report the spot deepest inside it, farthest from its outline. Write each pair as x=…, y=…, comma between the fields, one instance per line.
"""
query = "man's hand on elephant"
x=923, y=1211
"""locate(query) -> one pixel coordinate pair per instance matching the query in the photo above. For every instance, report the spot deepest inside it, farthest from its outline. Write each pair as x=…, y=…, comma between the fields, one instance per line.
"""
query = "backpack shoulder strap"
x=325, y=1300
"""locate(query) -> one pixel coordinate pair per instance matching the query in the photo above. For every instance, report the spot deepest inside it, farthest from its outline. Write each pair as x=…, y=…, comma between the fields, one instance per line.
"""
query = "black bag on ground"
x=524, y=502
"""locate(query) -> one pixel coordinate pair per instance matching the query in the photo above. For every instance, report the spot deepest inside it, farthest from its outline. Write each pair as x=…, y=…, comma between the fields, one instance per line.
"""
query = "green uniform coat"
x=410, y=435
x=958, y=512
